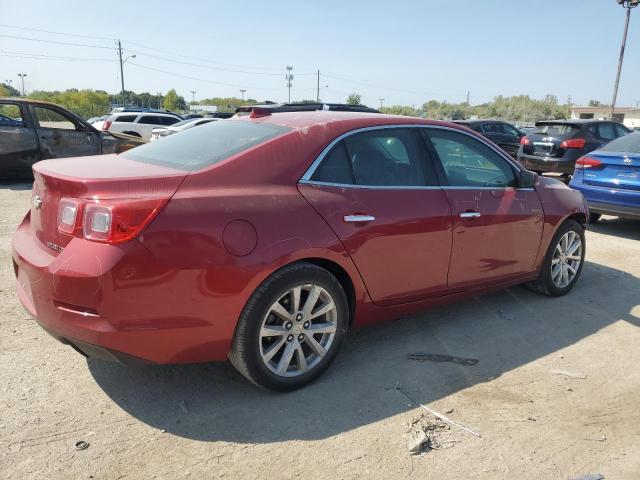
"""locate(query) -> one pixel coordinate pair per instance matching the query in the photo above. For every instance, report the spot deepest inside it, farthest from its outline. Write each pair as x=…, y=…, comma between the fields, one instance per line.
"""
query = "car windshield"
x=628, y=143
x=556, y=129
x=197, y=148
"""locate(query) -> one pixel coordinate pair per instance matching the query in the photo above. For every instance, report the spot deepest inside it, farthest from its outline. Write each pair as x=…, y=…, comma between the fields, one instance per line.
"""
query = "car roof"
x=338, y=120
x=307, y=107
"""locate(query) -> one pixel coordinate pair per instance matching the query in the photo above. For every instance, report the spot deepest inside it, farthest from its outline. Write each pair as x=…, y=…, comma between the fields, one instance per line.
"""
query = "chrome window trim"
x=306, y=178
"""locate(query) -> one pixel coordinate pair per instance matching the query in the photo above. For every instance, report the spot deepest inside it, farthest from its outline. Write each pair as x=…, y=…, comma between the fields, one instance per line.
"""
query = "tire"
x=594, y=217
x=261, y=357
x=547, y=283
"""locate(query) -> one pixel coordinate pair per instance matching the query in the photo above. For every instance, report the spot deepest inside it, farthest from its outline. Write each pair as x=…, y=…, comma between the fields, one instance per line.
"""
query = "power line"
x=54, y=33
x=40, y=56
x=55, y=42
x=204, y=80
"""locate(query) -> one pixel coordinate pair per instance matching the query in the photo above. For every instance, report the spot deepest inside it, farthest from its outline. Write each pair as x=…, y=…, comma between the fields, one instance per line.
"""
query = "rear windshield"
x=628, y=143
x=201, y=147
x=556, y=129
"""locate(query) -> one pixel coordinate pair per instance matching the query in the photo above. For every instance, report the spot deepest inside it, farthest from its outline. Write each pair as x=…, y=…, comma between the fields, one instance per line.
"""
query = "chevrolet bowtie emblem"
x=627, y=160
x=36, y=201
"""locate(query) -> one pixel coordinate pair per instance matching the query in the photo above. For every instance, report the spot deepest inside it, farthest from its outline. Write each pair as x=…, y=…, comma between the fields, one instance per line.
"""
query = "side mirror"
x=527, y=179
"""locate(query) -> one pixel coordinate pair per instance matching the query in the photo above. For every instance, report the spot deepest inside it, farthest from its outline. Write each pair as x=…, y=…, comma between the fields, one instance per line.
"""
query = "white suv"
x=138, y=124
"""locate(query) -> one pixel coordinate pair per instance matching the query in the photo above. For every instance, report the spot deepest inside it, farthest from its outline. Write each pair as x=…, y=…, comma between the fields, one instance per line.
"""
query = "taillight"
x=525, y=141
x=68, y=209
x=119, y=221
x=105, y=125
x=573, y=143
x=588, y=162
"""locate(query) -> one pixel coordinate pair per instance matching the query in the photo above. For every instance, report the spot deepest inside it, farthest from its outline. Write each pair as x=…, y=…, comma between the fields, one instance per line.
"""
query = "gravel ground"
x=205, y=421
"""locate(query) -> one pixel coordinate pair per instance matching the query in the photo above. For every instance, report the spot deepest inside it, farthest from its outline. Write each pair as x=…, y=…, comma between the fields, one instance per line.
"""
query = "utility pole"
x=159, y=100
x=242, y=92
x=628, y=5
x=289, y=78
x=22, y=75
x=381, y=100
x=569, y=100
x=193, y=96
x=318, y=94
x=468, y=98
x=121, y=74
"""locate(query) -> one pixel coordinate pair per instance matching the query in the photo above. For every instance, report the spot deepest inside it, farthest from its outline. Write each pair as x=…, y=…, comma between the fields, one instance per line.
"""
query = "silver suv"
x=138, y=124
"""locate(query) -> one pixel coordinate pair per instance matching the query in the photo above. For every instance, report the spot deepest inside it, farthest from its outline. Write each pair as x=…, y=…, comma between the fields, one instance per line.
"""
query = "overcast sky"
x=403, y=51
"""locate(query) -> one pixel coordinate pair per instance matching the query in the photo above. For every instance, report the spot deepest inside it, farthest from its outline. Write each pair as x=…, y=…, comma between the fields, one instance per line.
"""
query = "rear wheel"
x=291, y=328
x=563, y=262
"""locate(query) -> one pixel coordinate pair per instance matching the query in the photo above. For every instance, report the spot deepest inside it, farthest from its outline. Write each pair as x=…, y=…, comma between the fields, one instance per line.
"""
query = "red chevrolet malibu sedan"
x=263, y=239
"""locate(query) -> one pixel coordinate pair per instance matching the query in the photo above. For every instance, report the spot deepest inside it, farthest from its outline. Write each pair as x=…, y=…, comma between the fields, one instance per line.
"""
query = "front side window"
x=385, y=157
x=509, y=130
x=197, y=148
x=490, y=128
x=468, y=162
x=125, y=118
x=168, y=120
x=48, y=118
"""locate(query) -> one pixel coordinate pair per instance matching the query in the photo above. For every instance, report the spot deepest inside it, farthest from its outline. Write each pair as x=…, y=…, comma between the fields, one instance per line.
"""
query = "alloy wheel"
x=566, y=260
x=298, y=330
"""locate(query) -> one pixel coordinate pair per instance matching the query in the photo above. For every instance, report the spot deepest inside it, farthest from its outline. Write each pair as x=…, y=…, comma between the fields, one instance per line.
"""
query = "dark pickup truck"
x=32, y=130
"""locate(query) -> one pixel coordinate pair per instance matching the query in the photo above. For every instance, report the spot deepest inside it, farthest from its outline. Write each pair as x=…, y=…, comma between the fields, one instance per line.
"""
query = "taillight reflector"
x=118, y=222
x=588, y=162
x=573, y=143
x=525, y=141
x=68, y=209
x=105, y=125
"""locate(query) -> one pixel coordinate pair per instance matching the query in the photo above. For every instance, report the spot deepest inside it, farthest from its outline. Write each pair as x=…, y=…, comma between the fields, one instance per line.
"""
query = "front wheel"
x=563, y=262
x=291, y=328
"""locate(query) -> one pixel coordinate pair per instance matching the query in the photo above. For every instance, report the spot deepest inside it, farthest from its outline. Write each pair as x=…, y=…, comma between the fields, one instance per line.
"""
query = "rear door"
x=60, y=135
x=146, y=123
x=497, y=227
x=380, y=195
x=19, y=148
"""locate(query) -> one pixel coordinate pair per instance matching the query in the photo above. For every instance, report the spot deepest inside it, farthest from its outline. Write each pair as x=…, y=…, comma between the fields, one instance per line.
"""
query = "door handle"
x=359, y=218
x=470, y=215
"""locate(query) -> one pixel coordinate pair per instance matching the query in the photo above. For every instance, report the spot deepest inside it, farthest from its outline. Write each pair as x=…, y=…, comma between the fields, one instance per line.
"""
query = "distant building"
x=629, y=116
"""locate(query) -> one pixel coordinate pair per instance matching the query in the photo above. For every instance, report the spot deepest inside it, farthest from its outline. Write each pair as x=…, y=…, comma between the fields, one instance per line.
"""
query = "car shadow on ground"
x=504, y=331
x=18, y=185
x=618, y=227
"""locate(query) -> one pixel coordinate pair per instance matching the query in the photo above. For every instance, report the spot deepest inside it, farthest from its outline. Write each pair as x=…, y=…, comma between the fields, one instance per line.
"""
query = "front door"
x=61, y=135
x=378, y=192
x=19, y=148
x=497, y=227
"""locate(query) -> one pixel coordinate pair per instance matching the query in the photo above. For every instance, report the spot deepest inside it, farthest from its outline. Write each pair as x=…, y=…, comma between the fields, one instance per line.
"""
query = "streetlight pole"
x=242, y=92
x=124, y=98
x=628, y=5
x=381, y=100
x=22, y=75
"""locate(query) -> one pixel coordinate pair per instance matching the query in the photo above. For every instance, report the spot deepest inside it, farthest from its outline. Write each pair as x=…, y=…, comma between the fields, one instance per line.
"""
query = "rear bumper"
x=618, y=202
x=547, y=164
x=117, y=302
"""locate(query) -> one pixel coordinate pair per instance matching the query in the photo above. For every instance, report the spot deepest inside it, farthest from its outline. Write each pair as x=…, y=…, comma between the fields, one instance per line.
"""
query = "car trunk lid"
x=105, y=177
x=617, y=170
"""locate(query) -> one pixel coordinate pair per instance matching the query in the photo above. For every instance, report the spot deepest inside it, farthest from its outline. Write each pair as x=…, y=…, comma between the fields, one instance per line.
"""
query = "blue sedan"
x=609, y=178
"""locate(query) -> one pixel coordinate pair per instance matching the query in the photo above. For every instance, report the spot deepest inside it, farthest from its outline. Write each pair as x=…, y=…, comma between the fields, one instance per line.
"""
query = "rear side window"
x=385, y=157
x=629, y=143
x=197, y=148
x=491, y=128
x=607, y=131
x=125, y=118
x=168, y=120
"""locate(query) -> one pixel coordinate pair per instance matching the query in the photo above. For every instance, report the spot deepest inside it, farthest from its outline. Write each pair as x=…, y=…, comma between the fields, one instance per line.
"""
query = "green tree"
x=354, y=99
x=6, y=90
x=173, y=101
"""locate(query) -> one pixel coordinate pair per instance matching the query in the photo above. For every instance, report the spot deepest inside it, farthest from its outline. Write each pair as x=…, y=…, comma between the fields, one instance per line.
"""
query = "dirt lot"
x=205, y=421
